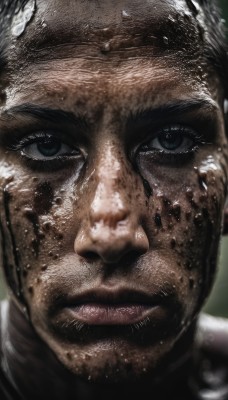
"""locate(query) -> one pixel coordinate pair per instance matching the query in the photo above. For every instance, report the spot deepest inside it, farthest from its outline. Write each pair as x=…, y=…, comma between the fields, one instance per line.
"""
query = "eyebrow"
x=175, y=108
x=167, y=110
x=56, y=116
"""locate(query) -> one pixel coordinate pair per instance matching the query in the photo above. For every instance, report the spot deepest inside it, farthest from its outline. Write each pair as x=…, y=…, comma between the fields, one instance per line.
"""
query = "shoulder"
x=212, y=335
x=7, y=392
x=209, y=379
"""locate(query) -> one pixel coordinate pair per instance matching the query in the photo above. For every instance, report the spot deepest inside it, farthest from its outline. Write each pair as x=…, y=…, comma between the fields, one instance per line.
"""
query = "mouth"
x=114, y=307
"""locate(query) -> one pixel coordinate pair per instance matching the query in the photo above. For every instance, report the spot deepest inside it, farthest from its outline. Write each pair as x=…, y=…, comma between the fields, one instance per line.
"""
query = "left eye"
x=47, y=149
x=174, y=139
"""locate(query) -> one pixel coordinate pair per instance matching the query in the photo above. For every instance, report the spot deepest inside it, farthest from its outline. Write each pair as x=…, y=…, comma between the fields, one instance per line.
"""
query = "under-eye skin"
x=45, y=150
x=172, y=142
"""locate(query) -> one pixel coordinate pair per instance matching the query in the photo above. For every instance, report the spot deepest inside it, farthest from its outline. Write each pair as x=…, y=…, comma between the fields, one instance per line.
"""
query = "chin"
x=111, y=360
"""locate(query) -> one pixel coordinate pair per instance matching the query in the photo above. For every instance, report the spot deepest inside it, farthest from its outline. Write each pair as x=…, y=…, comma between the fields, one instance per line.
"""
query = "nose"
x=112, y=226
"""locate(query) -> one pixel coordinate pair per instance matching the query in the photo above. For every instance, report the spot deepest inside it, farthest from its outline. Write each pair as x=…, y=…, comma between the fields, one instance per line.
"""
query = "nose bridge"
x=112, y=226
x=109, y=205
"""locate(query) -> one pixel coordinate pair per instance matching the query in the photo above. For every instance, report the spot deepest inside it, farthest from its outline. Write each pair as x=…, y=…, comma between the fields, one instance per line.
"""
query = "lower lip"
x=109, y=314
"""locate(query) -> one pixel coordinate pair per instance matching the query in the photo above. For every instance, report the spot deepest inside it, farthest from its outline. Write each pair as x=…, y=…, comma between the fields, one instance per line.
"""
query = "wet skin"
x=113, y=181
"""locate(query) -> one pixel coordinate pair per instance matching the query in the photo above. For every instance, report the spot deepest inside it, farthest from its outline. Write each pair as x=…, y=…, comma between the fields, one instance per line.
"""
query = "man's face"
x=113, y=177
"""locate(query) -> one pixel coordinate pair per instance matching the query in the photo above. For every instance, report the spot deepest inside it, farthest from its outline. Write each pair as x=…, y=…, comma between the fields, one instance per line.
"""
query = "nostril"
x=90, y=256
x=100, y=242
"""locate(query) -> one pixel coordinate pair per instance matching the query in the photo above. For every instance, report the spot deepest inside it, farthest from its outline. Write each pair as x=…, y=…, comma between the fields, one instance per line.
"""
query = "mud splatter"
x=147, y=187
x=43, y=199
x=6, y=200
x=33, y=218
x=8, y=268
x=175, y=210
x=158, y=221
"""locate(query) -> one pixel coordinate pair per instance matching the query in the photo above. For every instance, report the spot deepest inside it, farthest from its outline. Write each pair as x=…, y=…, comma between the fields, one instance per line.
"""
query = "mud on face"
x=113, y=178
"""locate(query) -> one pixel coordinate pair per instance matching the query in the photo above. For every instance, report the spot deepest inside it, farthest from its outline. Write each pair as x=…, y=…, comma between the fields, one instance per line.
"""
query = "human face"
x=113, y=177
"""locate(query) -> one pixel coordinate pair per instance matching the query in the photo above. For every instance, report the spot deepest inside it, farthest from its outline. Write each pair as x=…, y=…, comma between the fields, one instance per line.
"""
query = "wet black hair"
x=215, y=45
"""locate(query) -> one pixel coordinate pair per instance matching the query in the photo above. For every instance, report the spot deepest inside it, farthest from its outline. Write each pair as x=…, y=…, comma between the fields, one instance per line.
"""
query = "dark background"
x=224, y=5
x=217, y=303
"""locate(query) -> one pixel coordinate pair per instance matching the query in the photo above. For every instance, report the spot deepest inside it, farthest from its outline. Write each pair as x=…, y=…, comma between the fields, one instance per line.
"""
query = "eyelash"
x=169, y=156
x=58, y=162
x=25, y=141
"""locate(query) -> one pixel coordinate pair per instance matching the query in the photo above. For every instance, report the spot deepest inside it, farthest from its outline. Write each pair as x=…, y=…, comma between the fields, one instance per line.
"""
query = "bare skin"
x=110, y=225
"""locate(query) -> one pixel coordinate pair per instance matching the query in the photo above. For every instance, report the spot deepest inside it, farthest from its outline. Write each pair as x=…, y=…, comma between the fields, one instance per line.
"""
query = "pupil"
x=170, y=141
x=49, y=148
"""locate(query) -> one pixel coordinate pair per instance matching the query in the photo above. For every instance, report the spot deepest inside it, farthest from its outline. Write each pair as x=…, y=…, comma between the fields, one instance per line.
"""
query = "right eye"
x=45, y=147
x=48, y=149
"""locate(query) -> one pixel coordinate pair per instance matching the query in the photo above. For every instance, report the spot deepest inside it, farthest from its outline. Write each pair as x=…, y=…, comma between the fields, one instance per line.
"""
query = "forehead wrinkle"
x=90, y=97
x=59, y=38
x=94, y=69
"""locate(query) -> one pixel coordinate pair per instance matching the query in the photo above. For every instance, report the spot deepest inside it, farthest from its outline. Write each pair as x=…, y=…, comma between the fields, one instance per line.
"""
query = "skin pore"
x=113, y=180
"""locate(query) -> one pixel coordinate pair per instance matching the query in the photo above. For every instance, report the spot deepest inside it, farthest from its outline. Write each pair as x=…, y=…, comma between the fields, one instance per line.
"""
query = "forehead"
x=120, y=28
x=121, y=14
x=98, y=52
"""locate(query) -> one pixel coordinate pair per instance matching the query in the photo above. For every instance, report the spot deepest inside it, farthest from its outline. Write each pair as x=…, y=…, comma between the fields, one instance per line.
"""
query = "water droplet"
x=46, y=226
x=202, y=177
x=170, y=226
x=198, y=219
x=44, y=25
x=22, y=18
x=125, y=14
x=106, y=47
x=170, y=17
x=165, y=40
x=58, y=200
x=24, y=310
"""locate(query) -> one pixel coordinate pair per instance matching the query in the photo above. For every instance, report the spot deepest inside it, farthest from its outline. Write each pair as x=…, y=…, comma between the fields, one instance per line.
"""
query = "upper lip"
x=115, y=296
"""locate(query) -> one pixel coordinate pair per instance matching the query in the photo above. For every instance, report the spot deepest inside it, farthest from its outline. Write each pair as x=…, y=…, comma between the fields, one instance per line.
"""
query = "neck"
x=34, y=371
x=28, y=363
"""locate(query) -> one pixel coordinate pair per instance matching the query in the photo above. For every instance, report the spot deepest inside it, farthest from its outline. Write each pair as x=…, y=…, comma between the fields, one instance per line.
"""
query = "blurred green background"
x=217, y=303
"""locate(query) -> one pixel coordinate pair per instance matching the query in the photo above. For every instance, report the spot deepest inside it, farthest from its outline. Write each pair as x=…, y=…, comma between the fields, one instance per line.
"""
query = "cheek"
x=25, y=240
x=185, y=214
